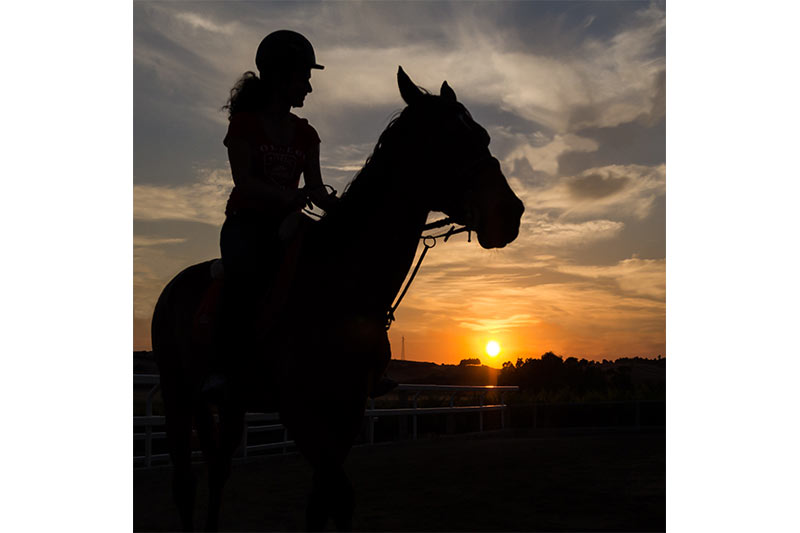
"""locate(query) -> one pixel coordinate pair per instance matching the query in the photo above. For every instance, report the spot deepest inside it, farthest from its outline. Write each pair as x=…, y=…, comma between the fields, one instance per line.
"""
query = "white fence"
x=413, y=392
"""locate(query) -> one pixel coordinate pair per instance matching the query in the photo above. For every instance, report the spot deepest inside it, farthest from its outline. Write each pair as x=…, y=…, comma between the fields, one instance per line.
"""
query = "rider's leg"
x=247, y=246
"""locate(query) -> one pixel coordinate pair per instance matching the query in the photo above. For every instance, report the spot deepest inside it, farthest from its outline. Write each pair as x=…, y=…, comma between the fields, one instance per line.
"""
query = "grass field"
x=513, y=481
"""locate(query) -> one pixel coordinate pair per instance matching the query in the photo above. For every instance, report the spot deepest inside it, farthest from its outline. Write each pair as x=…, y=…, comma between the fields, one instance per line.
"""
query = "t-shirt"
x=274, y=163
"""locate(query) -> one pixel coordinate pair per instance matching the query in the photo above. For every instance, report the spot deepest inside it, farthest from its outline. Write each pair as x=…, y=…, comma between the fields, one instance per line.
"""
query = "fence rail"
x=372, y=414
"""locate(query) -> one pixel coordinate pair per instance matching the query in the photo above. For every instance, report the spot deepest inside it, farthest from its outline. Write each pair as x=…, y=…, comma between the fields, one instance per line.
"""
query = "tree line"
x=553, y=378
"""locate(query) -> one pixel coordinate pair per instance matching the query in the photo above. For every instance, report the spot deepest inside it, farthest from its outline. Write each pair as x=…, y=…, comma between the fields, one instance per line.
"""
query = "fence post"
x=414, y=417
x=244, y=437
x=402, y=421
x=503, y=410
x=148, y=429
x=450, y=418
x=480, y=414
x=372, y=422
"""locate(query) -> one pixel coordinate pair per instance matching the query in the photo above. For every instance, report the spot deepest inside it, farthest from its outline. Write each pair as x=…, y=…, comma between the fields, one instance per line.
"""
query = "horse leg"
x=219, y=455
x=332, y=495
x=179, y=434
x=344, y=502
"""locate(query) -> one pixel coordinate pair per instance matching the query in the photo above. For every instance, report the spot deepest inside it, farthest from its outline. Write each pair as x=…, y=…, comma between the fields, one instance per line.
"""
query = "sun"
x=492, y=348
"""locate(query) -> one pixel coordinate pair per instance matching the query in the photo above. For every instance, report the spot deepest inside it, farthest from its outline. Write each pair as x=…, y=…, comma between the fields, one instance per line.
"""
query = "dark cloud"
x=522, y=169
x=629, y=143
x=356, y=24
x=645, y=238
x=595, y=186
x=640, y=142
x=169, y=142
x=557, y=28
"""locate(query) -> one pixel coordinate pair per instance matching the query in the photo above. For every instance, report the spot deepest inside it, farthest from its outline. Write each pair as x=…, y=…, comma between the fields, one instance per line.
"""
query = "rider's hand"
x=323, y=199
x=295, y=199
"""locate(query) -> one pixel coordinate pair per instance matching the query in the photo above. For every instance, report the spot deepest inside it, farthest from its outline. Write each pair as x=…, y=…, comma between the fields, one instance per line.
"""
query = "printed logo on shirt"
x=282, y=163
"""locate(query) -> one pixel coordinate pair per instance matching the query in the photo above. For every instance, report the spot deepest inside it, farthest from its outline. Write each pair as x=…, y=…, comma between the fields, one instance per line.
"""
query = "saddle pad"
x=207, y=312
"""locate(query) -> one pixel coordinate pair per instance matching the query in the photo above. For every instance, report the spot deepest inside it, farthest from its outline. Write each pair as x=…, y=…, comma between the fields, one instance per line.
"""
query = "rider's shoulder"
x=307, y=134
x=243, y=118
x=243, y=124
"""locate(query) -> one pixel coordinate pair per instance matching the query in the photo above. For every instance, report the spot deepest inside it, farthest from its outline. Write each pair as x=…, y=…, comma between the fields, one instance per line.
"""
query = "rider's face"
x=298, y=86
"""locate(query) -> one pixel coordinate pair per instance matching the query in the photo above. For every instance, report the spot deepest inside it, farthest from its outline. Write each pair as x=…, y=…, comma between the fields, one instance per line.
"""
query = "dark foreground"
x=510, y=482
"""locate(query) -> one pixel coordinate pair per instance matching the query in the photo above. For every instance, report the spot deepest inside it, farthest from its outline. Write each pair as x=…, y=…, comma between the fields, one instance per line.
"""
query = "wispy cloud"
x=615, y=190
x=497, y=325
x=141, y=240
x=640, y=277
x=603, y=83
x=202, y=201
x=545, y=232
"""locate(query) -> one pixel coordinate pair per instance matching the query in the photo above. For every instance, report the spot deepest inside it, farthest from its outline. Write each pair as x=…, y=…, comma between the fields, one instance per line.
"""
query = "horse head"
x=460, y=176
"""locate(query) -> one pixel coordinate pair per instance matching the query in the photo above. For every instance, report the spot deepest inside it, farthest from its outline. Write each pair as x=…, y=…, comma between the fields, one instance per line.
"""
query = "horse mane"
x=366, y=186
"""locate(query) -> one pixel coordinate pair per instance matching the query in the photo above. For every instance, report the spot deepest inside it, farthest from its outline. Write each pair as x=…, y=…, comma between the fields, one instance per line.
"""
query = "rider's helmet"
x=285, y=50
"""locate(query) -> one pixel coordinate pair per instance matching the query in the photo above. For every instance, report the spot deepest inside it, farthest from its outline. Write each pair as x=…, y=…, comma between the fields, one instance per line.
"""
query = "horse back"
x=182, y=325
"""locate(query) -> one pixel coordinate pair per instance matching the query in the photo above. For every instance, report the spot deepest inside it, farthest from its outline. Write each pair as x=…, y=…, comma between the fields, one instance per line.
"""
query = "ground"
x=511, y=481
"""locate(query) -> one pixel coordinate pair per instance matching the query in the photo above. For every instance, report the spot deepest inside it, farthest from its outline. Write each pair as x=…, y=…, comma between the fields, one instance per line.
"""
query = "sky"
x=572, y=94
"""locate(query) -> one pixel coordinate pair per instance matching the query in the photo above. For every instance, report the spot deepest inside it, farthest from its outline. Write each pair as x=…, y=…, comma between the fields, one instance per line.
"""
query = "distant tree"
x=470, y=362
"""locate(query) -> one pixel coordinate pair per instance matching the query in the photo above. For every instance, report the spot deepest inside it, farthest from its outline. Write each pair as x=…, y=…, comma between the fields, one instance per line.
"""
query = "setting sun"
x=492, y=348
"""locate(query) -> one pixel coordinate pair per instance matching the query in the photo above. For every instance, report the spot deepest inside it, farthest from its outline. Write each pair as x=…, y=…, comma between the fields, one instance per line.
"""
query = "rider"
x=268, y=148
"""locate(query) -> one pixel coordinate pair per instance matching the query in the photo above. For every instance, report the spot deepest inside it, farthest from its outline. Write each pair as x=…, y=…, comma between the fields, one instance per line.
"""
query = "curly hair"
x=247, y=94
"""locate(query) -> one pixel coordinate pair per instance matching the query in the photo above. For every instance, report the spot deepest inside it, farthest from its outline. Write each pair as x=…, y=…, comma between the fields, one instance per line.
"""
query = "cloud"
x=497, y=325
x=639, y=277
x=545, y=232
x=615, y=190
x=597, y=186
x=141, y=240
x=544, y=157
x=199, y=22
x=202, y=201
x=604, y=82
x=590, y=311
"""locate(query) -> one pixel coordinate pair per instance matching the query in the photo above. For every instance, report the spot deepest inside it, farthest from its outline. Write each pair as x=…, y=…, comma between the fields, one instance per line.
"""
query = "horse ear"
x=408, y=90
x=447, y=93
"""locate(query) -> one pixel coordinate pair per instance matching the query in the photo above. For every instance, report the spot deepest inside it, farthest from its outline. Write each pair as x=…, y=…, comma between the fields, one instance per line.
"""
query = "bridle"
x=429, y=241
x=467, y=173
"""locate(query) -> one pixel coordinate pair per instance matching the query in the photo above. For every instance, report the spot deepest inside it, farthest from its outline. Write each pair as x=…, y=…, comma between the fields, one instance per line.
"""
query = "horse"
x=321, y=354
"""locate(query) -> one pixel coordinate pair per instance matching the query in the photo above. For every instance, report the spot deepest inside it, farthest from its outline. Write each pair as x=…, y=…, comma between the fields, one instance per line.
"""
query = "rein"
x=466, y=169
x=429, y=241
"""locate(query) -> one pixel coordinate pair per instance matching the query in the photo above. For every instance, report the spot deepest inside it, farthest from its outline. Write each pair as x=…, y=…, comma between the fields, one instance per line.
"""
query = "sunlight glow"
x=492, y=348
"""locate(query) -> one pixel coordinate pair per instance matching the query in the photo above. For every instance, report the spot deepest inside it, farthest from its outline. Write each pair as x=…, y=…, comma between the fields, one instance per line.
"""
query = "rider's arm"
x=313, y=180
x=239, y=155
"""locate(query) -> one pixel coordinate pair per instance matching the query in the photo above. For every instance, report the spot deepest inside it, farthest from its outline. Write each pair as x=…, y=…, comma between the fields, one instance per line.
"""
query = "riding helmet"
x=285, y=50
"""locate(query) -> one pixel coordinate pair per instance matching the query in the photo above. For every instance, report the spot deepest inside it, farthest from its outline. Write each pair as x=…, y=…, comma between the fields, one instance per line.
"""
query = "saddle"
x=292, y=232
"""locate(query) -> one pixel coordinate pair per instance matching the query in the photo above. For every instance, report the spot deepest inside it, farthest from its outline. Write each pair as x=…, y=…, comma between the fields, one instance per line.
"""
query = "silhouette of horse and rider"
x=295, y=320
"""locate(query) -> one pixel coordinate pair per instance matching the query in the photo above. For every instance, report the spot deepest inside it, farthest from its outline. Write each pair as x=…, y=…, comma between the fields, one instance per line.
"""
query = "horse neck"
x=380, y=244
